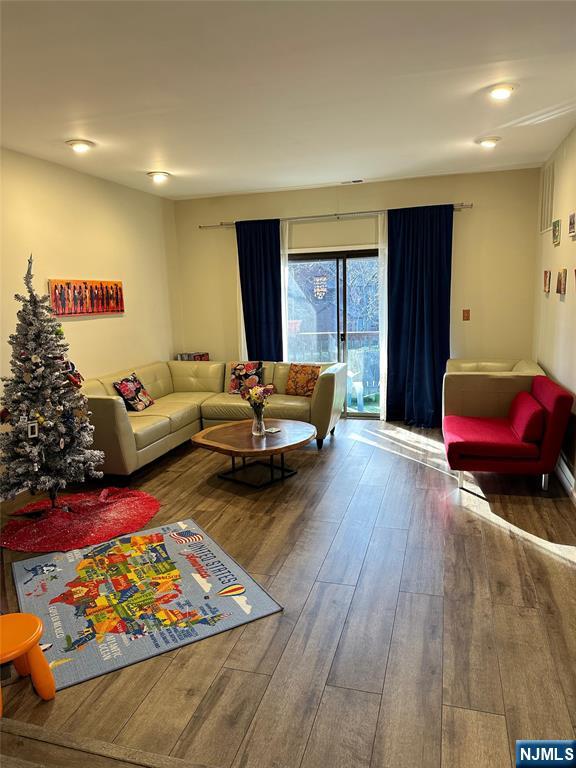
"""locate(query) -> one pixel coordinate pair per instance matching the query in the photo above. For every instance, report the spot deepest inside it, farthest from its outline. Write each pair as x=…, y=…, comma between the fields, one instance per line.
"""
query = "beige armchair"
x=485, y=387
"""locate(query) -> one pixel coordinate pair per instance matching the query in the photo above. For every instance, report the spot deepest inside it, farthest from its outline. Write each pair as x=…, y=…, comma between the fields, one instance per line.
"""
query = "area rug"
x=79, y=520
x=134, y=597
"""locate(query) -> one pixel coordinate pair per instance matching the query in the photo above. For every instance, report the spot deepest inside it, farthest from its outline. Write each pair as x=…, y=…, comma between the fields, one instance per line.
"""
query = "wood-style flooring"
x=423, y=626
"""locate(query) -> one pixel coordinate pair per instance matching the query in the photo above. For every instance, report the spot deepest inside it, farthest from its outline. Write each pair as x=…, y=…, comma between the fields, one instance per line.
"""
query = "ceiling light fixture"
x=80, y=146
x=158, y=177
x=488, y=142
x=501, y=92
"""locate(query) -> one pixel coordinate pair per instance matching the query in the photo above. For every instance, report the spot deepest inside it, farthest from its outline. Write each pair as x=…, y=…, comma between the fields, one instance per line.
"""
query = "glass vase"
x=258, y=428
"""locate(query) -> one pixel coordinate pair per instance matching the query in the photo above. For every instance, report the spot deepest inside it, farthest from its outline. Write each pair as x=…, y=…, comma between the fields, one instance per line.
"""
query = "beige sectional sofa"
x=485, y=387
x=190, y=396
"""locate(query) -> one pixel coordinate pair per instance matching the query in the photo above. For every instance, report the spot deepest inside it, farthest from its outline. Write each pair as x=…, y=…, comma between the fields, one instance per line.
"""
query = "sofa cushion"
x=461, y=366
x=302, y=379
x=148, y=429
x=225, y=407
x=178, y=413
x=199, y=376
x=494, y=366
x=94, y=388
x=134, y=393
x=155, y=377
x=190, y=398
x=248, y=373
x=281, y=371
x=267, y=374
x=527, y=366
x=470, y=436
x=288, y=407
x=526, y=418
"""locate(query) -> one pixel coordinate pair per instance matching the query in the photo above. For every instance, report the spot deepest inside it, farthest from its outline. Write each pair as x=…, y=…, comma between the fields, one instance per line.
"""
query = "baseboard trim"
x=566, y=478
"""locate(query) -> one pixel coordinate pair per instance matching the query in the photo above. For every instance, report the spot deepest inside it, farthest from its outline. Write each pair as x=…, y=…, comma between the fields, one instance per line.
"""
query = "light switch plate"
x=465, y=314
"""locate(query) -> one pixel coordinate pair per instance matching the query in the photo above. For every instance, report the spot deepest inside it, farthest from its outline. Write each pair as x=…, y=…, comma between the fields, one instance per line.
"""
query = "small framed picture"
x=572, y=224
x=561, y=282
x=556, y=231
x=547, y=278
x=32, y=429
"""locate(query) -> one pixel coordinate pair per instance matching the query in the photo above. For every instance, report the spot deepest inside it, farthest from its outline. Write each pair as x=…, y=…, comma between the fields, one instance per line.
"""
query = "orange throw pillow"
x=302, y=379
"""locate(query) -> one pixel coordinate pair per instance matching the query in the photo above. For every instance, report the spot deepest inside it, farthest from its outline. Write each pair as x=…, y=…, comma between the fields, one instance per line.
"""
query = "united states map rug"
x=136, y=596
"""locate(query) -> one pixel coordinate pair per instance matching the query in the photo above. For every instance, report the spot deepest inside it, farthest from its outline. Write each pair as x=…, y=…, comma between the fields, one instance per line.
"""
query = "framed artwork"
x=556, y=231
x=572, y=224
x=74, y=298
x=561, y=282
x=547, y=278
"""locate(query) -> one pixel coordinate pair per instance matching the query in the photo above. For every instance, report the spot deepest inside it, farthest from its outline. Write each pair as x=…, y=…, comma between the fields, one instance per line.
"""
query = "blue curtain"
x=260, y=271
x=419, y=272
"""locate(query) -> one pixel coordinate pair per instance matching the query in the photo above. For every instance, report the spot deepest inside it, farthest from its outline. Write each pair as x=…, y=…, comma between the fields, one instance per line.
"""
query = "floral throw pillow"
x=302, y=379
x=250, y=373
x=132, y=391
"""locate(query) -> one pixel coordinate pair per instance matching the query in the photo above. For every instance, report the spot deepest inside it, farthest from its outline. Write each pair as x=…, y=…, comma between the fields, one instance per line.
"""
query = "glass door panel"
x=313, y=309
x=362, y=336
x=333, y=315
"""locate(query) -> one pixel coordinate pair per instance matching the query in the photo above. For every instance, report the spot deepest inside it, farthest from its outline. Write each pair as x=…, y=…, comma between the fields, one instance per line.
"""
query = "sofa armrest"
x=488, y=395
x=113, y=434
x=328, y=399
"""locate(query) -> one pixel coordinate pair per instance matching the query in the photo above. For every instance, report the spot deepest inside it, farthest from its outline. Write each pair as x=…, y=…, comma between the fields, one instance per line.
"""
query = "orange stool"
x=20, y=634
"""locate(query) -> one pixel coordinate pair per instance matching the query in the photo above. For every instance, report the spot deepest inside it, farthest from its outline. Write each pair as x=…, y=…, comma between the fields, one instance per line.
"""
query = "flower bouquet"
x=257, y=395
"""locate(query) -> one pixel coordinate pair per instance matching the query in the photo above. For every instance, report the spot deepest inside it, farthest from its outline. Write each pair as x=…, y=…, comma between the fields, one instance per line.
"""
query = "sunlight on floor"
x=428, y=452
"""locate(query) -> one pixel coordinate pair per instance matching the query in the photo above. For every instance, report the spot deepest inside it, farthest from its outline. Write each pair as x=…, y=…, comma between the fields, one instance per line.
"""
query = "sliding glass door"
x=332, y=314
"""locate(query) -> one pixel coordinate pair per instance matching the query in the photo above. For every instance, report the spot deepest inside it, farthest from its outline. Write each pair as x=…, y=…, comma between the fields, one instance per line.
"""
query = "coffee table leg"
x=277, y=472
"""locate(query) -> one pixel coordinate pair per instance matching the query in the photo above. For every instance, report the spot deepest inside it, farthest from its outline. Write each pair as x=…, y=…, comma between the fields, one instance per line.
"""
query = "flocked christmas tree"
x=48, y=441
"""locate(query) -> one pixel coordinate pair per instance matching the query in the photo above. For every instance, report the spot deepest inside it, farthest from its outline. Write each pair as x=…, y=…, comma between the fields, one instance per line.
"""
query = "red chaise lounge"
x=527, y=442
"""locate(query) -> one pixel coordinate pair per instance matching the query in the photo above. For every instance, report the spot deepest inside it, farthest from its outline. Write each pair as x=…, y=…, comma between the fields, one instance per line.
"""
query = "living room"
x=336, y=234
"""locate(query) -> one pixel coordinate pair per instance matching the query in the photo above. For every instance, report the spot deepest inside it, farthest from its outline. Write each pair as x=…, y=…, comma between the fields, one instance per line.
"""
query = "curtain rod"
x=321, y=216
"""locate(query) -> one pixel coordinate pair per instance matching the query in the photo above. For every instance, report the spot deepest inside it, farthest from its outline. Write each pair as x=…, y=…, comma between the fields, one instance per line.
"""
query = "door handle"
x=342, y=337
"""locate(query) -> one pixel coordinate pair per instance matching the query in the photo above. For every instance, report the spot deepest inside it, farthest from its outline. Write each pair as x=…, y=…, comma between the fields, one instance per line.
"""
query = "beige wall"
x=181, y=282
x=493, y=265
x=78, y=226
x=555, y=328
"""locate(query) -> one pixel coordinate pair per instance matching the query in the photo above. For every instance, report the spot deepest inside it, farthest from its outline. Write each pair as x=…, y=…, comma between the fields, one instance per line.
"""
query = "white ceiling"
x=246, y=96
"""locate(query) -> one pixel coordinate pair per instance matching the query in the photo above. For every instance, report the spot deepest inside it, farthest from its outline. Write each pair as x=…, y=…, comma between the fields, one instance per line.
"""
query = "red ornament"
x=80, y=520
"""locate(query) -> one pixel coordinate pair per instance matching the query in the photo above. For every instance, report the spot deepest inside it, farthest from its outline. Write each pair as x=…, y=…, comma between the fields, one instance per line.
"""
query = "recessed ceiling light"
x=488, y=142
x=501, y=92
x=80, y=146
x=158, y=177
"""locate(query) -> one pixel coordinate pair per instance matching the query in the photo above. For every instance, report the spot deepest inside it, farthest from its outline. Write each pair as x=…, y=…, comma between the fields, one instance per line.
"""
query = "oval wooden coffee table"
x=235, y=439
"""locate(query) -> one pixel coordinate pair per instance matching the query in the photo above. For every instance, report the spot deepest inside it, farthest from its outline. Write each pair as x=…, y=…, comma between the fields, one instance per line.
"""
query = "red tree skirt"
x=80, y=520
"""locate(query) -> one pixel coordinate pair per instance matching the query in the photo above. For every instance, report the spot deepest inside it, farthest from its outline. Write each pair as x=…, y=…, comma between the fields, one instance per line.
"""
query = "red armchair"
x=527, y=442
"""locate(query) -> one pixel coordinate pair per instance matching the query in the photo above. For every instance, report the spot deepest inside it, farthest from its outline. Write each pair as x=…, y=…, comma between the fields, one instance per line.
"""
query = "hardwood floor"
x=422, y=628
